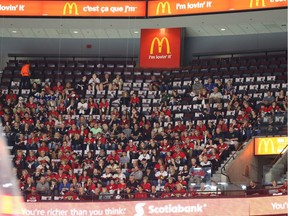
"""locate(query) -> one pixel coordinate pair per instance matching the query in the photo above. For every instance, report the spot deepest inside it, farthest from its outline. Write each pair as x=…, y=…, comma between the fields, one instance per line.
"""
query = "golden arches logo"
x=160, y=45
x=266, y=146
x=70, y=7
x=257, y=3
x=163, y=6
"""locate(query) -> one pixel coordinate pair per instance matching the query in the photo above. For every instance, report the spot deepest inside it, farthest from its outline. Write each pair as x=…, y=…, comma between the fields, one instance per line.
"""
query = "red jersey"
x=134, y=100
x=115, y=157
x=58, y=89
x=179, y=154
x=201, y=129
x=146, y=186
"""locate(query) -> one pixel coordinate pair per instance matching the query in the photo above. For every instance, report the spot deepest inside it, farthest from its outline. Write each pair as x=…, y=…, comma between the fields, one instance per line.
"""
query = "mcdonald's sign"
x=70, y=7
x=270, y=145
x=160, y=45
x=160, y=48
x=257, y=3
x=186, y=7
x=163, y=6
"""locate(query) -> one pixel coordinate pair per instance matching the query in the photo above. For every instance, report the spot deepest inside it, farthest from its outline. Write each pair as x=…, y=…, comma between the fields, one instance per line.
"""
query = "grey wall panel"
x=130, y=47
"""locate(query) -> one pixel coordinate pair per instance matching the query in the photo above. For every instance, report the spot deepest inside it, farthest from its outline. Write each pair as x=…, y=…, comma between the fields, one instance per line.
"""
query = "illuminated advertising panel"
x=276, y=205
x=181, y=207
x=270, y=145
x=186, y=7
x=73, y=8
x=160, y=48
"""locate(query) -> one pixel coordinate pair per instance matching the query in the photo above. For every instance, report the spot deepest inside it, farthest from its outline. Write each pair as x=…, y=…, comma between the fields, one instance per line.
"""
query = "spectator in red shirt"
x=31, y=104
x=53, y=112
x=11, y=96
x=104, y=106
x=31, y=160
x=113, y=156
x=73, y=130
x=214, y=158
x=65, y=166
x=222, y=125
x=27, y=119
x=32, y=142
x=170, y=184
x=247, y=108
x=58, y=88
x=179, y=155
x=135, y=100
x=33, y=196
x=223, y=149
x=179, y=191
x=43, y=148
x=165, y=114
x=90, y=186
x=273, y=108
x=89, y=142
x=146, y=184
x=111, y=187
x=50, y=122
x=64, y=148
x=121, y=186
x=201, y=127
x=92, y=106
x=181, y=181
x=179, y=127
x=167, y=193
x=69, y=122
x=71, y=194
x=140, y=194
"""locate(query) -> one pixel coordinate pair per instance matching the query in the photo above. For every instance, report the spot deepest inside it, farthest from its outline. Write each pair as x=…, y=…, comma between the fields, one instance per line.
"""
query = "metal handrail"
x=68, y=56
x=230, y=158
x=279, y=155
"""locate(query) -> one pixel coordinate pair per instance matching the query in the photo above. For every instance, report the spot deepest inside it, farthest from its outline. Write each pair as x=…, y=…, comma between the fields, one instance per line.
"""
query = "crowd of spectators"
x=62, y=149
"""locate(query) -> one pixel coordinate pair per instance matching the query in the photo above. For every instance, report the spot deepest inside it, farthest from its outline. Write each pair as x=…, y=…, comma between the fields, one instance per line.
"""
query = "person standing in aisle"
x=25, y=76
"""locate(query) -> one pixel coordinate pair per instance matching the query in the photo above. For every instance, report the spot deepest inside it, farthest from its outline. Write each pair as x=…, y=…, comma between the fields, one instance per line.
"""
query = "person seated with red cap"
x=33, y=196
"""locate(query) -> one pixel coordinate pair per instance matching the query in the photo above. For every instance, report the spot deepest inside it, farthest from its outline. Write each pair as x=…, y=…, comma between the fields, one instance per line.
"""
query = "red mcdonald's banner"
x=270, y=145
x=186, y=7
x=73, y=8
x=160, y=48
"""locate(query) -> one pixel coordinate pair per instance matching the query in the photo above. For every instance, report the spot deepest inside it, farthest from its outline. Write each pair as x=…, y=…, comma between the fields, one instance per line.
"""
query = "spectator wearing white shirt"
x=82, y=106
x=162, y=173
x=95, y=82
x=215, y=96
x=144, y=155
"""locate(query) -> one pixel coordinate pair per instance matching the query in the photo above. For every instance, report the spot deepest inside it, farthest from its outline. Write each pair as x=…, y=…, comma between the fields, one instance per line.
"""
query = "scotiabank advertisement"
x=73, y=8
x=216, y=207
x=160, y=48
x=184, y=7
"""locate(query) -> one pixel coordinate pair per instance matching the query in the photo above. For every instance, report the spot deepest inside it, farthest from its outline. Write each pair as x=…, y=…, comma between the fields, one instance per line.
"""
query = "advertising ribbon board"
x=188, y=7
x=73, y=8
x=209, y=206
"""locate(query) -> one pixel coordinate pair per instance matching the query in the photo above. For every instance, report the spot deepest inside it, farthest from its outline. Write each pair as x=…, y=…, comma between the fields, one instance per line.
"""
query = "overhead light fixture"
x=14, y=31
x=75, y=32
x=136, y=32
x=223, y=29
